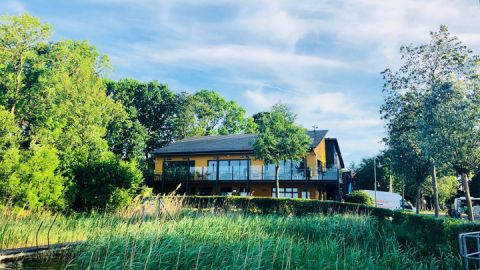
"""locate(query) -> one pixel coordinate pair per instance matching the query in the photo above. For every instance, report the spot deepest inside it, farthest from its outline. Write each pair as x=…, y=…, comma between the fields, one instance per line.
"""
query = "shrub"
x=108, y=184
x=360, y=197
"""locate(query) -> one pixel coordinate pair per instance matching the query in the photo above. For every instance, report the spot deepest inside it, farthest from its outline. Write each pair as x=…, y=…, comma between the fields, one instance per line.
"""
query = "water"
x=50, y=263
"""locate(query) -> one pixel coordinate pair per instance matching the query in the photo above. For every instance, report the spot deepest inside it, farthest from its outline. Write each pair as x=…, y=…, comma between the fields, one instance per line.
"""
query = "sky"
x=322, y=58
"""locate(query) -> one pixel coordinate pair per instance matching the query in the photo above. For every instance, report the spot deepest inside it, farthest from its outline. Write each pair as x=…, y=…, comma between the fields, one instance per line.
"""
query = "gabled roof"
x=238, y=143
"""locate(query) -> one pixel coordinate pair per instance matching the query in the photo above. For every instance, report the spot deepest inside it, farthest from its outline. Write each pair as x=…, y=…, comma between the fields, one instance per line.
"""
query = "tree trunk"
x=390, y=184
x=467, y=196
x=277, y=181
x=419, y=198
x=435, y=190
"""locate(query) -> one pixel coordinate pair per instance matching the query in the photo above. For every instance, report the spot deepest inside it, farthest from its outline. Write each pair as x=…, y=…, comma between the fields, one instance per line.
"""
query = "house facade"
x=225, y=165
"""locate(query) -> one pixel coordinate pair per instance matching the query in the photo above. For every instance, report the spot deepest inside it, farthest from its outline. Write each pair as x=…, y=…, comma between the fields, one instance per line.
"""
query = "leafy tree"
x=450, y=130
x=234, y=121
x=215, y=115
x=447, y=188
x=19, y=35
x=151, y=107
x=40, y=182
x=251, y=127
x=9, y=155
x=279, y=138
x=106, y=184
x=424, y=67
x=364, y=175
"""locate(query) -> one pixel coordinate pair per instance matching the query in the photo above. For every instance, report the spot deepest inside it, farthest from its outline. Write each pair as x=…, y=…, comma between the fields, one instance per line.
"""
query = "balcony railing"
x=252, y=173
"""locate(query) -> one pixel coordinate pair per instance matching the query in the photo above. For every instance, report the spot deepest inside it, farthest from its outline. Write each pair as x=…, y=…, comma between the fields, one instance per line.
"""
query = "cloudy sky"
x=322, y=58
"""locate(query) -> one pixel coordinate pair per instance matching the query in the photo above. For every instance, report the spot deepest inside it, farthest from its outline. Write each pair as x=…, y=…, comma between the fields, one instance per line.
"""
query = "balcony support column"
x=217, y=174
x=248, y=176
x=188, y=176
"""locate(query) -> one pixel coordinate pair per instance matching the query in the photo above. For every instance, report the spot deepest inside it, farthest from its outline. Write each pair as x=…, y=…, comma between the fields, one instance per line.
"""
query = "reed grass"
x=142, y=237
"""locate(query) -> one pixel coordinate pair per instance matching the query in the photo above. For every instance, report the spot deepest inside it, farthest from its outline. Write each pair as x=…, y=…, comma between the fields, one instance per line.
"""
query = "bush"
x=360, y=197
x=107, y=184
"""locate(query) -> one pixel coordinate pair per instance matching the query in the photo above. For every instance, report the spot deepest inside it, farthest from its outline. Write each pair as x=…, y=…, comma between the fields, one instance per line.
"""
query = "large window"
x=285, y=192
x=177, y=170
x=235, y=169
x=289, y=170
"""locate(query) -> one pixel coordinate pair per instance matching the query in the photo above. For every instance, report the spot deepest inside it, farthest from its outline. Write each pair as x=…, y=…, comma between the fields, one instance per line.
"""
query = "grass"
x=211, y=240
x=255, y=242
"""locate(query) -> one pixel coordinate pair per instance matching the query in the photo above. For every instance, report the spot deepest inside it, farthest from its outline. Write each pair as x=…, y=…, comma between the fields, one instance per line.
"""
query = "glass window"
x=224, y=170
x=177, y=170
x=286, y=192
x=235, y=169
x=212, y=170
x=269, y=172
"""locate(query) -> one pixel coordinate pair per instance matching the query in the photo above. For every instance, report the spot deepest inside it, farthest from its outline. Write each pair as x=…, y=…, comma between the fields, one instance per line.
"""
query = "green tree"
x=450, y=130
x=448, y=187
x=364, y=174
x=19, y=35
x=41, y=184
x=423, y=68
x=9, y=156
x=106, y=184
x=151, y=107
x=279, y=138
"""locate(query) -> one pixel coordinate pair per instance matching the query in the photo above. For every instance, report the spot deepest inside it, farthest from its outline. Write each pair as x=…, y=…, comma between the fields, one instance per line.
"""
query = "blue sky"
x=322, y=58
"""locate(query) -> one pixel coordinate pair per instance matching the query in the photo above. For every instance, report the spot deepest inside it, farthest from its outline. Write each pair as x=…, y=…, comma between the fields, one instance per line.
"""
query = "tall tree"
x=280, y=138
x=423, y=68
x=19, y=35
x=450, y=129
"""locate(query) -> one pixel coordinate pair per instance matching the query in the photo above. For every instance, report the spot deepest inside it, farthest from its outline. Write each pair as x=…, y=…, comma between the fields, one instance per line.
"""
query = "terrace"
x=241, y=170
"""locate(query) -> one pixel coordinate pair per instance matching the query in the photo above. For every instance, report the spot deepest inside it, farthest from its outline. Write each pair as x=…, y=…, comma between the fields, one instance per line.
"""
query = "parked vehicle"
x=460, y=206
x=390, y=200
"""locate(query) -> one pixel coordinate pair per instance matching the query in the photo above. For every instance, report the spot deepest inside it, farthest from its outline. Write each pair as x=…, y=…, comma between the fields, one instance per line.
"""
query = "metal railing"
x=469, y=247
x=253, y=173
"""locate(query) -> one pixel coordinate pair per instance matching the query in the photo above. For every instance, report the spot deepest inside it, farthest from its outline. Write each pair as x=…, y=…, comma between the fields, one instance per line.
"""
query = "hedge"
x=430, y=235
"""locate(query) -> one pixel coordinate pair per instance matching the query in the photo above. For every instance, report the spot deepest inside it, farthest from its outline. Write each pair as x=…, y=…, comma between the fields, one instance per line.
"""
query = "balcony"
x=250, y=173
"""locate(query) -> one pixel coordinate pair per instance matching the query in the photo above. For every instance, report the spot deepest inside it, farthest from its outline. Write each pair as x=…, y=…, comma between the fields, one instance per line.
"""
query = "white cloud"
x=322, y=58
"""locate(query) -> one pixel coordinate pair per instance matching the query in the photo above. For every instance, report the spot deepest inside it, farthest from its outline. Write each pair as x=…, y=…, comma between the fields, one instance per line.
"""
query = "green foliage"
x=150, y=122
x=422, y=72
x=364, y=174
x=449, y=127
x=448, y=187
x=279, y=137
x=106, y=184
x=360, y=197
x=19, y=35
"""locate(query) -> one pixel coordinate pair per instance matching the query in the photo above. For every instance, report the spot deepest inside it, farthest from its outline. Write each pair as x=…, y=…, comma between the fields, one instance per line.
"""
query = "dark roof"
x=238, y=143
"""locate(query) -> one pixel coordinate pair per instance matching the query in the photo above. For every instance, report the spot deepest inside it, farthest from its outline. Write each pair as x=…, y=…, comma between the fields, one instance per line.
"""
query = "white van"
x=460, y=204
x=390, y=200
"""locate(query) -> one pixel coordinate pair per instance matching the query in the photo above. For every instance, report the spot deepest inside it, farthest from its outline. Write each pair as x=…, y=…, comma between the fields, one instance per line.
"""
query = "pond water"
x=51, y=263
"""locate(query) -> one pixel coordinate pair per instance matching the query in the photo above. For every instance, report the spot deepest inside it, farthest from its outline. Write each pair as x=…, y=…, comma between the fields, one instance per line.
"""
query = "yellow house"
x=225, y=165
